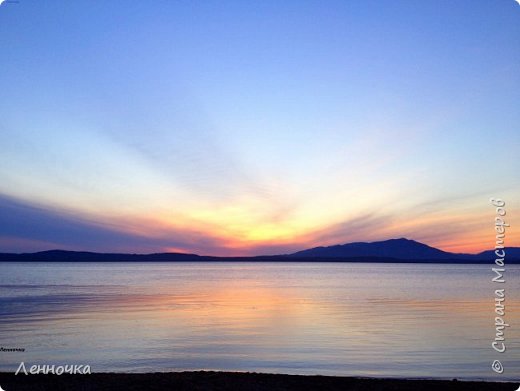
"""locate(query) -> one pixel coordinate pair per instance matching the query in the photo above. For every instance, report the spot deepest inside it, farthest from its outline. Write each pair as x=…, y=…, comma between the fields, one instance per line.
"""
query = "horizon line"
x=244, y=256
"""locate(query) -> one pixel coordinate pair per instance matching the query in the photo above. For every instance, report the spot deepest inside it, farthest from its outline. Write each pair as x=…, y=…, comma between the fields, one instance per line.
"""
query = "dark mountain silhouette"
x=393, y=250
x=84, y=256
x=511, y=253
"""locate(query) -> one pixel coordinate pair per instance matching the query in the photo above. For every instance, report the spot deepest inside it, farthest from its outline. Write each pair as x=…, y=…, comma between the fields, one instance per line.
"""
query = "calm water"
x=392, y=320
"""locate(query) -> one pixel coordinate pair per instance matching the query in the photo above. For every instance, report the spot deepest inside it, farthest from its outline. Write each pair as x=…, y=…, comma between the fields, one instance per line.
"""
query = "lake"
x=350, y=319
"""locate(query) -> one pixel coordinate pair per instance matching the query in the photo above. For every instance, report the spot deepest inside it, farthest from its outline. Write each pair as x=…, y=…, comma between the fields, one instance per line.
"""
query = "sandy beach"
x=231, y=381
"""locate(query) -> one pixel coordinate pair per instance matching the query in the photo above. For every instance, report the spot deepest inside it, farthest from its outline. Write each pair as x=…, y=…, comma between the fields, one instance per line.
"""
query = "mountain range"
x=393, y=250
x=402, y=248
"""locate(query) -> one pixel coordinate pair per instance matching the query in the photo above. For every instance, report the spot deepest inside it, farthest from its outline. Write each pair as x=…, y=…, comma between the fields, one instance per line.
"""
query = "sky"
x=248, y=128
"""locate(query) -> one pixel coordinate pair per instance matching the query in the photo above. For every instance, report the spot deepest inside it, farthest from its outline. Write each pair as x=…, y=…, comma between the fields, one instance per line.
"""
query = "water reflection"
x=358, y=319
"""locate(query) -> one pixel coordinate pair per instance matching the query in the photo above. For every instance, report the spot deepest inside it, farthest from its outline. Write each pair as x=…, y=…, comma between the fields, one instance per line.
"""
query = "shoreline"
x=235, y=381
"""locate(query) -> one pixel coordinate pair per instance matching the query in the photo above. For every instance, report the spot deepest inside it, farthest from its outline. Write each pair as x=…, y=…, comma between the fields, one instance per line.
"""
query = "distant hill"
x=393, y=250
x=511, y=253
x=399, y=249
x=83, y=256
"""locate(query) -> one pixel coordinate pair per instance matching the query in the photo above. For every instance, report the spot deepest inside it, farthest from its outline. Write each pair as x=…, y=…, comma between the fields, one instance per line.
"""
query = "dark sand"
x=230, y=381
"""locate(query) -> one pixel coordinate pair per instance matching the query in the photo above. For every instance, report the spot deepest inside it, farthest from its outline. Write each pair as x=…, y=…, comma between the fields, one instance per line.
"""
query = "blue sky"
x=256, y=127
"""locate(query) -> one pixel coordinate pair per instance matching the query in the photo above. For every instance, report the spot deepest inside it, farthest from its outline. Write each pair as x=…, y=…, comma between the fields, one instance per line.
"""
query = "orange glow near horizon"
x=245, y=227
x=467, y=234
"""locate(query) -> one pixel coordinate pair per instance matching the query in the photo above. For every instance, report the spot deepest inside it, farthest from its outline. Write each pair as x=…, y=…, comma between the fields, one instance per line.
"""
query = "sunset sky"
x=257, y=127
